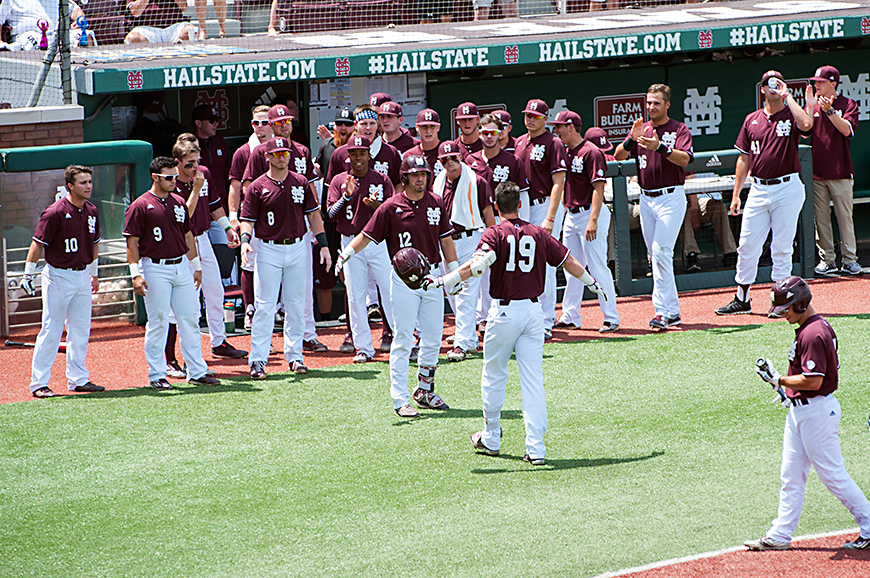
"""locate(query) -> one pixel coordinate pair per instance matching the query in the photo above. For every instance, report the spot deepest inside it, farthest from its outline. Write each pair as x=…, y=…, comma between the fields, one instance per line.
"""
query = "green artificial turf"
x=659, y=446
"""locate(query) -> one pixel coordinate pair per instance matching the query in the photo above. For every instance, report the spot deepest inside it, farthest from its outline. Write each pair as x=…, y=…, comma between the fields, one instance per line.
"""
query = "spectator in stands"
x=220, y=9
x=836, y=118
x=431, y=11
x=703, y=208
x=23, y=17
x=508, y=8
x=158, y=21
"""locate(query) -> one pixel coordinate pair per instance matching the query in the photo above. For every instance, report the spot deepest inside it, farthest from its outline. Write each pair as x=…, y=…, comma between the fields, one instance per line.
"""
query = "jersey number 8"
x=526, y=258
x=270, y=218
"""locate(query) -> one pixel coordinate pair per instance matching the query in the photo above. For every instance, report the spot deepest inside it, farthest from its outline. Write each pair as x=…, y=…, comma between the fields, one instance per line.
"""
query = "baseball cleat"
x=736, y=307
x=225, y=349
x=89, y=386
x=534, y=461
x=481, y=328
x=429, y=400
x=548, y=334
x=407, y=411
x=374, y=313
x=362, y=357
x=174, y=370
x=477, y=442
x=456, y=354
x=415, y=353
x=258, y=370
x=767, y=544
x=347, y=346
x=608, y=327
x=386, y=343
x=658, y=322
x=314, y=345
x=298, y=368
x=859, y=544
x=43, y=393
x=673, y=321
x=564, y=325
x=161, y=384
x=206, y=379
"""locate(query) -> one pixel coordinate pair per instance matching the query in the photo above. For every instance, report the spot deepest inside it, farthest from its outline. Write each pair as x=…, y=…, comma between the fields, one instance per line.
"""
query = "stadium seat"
x=370, y=13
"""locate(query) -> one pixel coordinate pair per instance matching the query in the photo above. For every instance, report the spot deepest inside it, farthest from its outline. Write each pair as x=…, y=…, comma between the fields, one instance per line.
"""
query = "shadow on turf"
x=557, y=464
x=181, y=388
x=458, y=414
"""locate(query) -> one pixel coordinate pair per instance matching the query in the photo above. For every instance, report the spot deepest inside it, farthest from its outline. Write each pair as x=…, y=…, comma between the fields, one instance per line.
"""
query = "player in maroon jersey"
x=505, y=140
x=468, y=121
x=390, y=118
x=385, y=158
x=428, y=125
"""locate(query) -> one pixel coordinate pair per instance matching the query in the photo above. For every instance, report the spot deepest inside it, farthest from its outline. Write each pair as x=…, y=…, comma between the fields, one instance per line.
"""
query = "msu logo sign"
x=180, y=212
x=500, y=173
x=298, y=194
x=577, y=165
x=783, y=128
x=92, y=225
x=433, y=214
x=538, y=151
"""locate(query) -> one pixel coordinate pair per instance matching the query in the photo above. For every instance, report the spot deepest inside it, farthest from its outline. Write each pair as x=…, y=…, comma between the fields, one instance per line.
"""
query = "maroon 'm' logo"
x=135, y=80
x=705, y=39
x=511, y=54
x=342, y=66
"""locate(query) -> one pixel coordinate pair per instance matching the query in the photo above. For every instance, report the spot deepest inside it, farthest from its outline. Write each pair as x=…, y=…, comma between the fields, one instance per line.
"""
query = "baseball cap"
x=771, y=74
x=205, y=112
x=537, y=106
x=390, y=107
x=467, y=110
x=344, y=115
x=598, y=137
x=827, y=72
x=503, y=115
x=428, y=116
x=448, y=149
x=568, y=117
x=279, y=111
x=359, y=143
x=379, y=98
x=277, y=144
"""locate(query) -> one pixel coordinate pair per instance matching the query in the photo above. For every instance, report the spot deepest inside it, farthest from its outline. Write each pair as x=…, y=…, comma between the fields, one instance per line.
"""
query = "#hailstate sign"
x=615, y=114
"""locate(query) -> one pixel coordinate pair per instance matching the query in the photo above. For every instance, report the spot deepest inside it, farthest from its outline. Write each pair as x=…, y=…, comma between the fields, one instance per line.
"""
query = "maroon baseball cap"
x=503, y=115
x=537, y=106
x=205, y=112
x=379, y=98
x=277, y=144
x=598, y=137
x=358, y=143
x=467, y=110
x=568, y=117
x=428, y=116
x=827, y=72
x=390, y=107
x=279, y=111
x=771, y=74
x=449, y=149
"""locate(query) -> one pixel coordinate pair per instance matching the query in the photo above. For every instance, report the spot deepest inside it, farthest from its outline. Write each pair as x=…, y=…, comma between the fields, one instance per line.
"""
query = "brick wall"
x=41, y=134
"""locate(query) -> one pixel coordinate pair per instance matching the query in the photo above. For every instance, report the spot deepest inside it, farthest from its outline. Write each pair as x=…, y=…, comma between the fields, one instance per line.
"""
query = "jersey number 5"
x=526, y=258
x=404, y=239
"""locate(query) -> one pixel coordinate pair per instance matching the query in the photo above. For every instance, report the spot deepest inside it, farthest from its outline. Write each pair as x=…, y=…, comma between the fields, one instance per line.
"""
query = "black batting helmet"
x=788, y=291
x=413, y=164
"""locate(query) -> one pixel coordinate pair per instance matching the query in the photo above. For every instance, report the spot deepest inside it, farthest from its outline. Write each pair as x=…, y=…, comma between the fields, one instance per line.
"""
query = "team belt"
x=82, y=268
x=175, y=261
x=539, y=200
x=575, y=210
x=508, y=301
x=463, y=234
x=796, y=401
x=777, y=181
x=658, y=192
x=292, y=241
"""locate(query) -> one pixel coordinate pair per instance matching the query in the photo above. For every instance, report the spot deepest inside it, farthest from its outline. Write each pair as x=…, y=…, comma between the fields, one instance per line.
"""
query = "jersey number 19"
x=526, y=258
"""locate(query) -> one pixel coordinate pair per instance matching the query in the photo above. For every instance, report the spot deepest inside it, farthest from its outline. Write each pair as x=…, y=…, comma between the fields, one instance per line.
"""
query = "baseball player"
x=428, y=125
x=385, y=158
x=835, y=119
x=514, y=250
x=545, y=160
x=812, y=436
x=390, y=118
x=468, y=121
x=587, y=221
x=768, y=145
x=68, y=234
x=468, y=202
x=276, y=206
x=353, y=198
x=505, y=140
x=414, y=218
x=661, y=148
x=157, y=228
x=378, y=98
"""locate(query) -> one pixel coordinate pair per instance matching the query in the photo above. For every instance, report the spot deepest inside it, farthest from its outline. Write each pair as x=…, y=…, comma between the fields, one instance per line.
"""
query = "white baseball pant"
x=310, y=330
x=464, y=303
x=517, y=326
x=661, y=219
x=769, y=208
x=484, y=301
x=171, y=285
x=525, y=206
x=593, y=256
x=213, y=288
x=284, y=268
x=374, y=260
x=411, y=305
x=812, y=438
x=548, y=299
x=66, y=297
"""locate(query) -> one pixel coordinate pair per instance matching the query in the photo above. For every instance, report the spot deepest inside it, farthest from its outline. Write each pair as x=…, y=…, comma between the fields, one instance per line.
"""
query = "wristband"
x=586, y=278
x=551, y=220
x=453, y=278
x=94, y=271
x=225, y=223
x=246, y=237
x=134, y=270
x=234, y=215
x=830, y=111
x=29, y=268
x=664, y=149
x=628, y=144
x=321, y=239
x=197, y=266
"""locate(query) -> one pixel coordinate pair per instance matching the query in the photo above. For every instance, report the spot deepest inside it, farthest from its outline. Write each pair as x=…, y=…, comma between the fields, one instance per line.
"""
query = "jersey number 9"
x=158, y=234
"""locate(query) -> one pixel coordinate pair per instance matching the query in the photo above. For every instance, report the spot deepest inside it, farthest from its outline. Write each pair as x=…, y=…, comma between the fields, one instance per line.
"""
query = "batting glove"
x=27, y=285
x=455, y=290
x=767, y=372
x=596, y=288
x=431, y=281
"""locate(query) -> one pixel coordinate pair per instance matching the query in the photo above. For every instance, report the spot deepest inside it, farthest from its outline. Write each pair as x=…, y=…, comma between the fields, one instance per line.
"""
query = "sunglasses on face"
x=280, y=154
x=260, y=123
x=191, y=164
x=282, y=121
x=489, y=132
x=343, y=123
x=446, y=160
x=167, y=177
x=534, y=116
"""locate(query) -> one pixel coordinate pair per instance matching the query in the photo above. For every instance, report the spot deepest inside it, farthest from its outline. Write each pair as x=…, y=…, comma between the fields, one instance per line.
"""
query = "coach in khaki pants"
x=835, y=119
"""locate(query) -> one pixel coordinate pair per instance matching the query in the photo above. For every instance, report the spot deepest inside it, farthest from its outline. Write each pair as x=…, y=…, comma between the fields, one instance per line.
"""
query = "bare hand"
x=95, y=284
x=694, y=218
x=272, y=31
x=547, y=225
x=350, y=185
x=825, y=103
x=810, y=99
x=372, y=203
x=323, y=132
x=198, y=180
x=232, y=238
x=636, y=129
x=325, y=258
x=592, y=230
x=651, y=143
x=246, y=248
x=734, y=208
x=197, y=279
x=139, y=285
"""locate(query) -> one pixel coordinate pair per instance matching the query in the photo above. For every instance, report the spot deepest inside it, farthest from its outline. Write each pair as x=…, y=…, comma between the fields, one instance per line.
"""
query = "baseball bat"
x=761, y=363
x=9, y=343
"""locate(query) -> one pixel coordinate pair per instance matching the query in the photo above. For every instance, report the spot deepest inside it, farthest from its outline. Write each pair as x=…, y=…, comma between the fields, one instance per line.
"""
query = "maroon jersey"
x=404, y=142
x=406, y=223
x=278, y=209
x=586, y=165
x=541, y=157
x=351, y=216
x=208, y=201
x=511, y=145
x=654, y=170
x=484, y=199
x=502, y=167
x=240, y=162
x=521, y=251
x=468, y=149
x=387, y=161
x=300, y=162
x=68, y=234
x=160, y=224
x=215, y=154
x=814, y=352
x=435, y=166
x=771, y=143
x=832, y=157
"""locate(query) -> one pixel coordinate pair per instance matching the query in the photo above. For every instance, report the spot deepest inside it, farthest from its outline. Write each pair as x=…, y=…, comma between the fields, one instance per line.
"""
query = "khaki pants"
x=713, y=211
x=840, y=191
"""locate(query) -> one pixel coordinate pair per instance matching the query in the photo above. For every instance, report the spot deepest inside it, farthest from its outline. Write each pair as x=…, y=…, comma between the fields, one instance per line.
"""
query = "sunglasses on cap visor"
x=282, y=121
x=489, y=131
x=260, y=123
x=167, y=177
x=534, y=115
x=280, y=154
